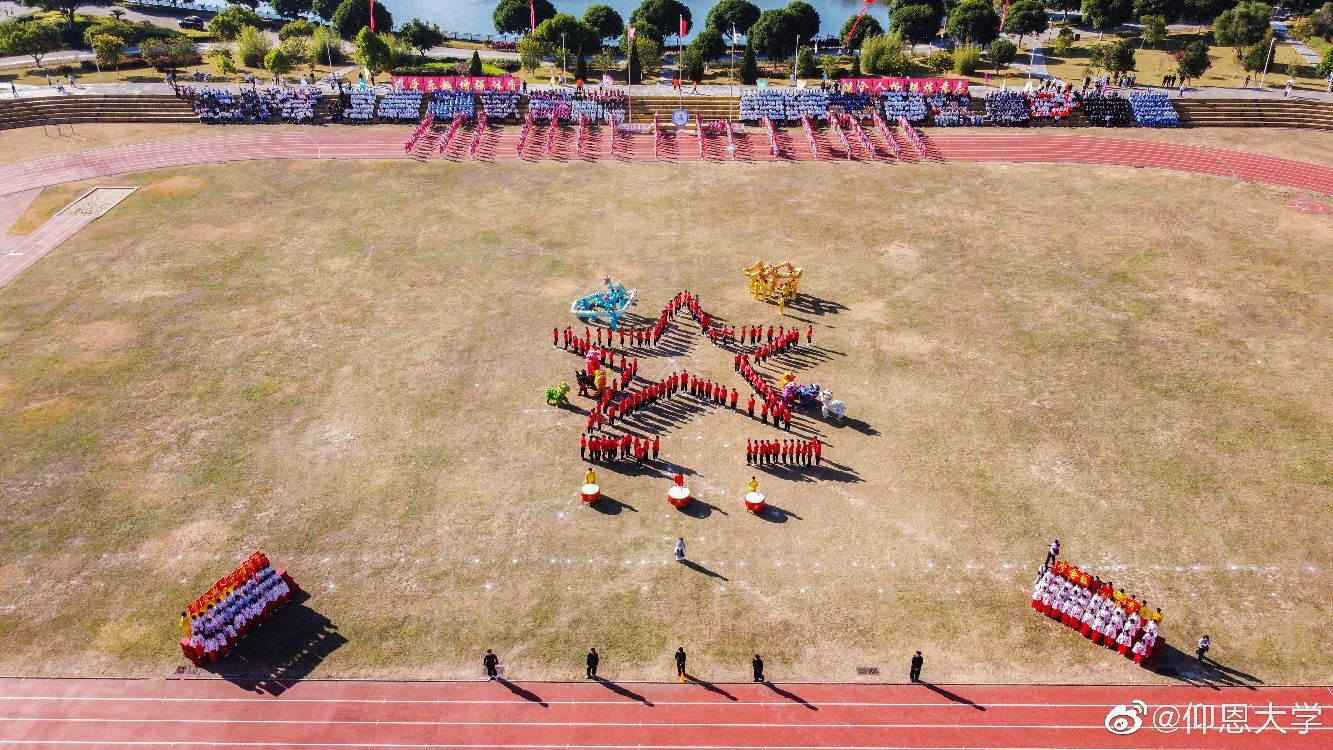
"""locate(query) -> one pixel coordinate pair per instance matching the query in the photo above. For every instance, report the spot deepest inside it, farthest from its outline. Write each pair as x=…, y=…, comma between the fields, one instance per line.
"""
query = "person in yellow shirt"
x=1156, y=616
x=590, y=477
x=753, y=486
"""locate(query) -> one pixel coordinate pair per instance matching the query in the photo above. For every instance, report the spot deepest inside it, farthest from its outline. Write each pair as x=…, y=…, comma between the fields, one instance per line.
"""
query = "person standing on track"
x=592, y=663
x=915, y=672
x=757, y=665
x=490, y=661
x=680, y=658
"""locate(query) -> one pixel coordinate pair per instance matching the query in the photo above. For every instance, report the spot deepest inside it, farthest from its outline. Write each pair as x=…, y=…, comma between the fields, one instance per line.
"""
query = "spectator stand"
x=1051, y=105
x=835, y=123
x=446, y=104
x=524, y=134
x=1154, y=110
x=812, y=104
x=913, y=137
x=1007, y=108
x=233, y=607
x=400, y=106
x=474, y=147
x=757, y=106
x=809, y=127
x=500, y=105
x=858, y=106
x=359, y=105
x=1107, y=111
x=285, y=104
x=904, y=104
x=772, y=136
x=887, y=134
x=449, y=134
x=550, y=105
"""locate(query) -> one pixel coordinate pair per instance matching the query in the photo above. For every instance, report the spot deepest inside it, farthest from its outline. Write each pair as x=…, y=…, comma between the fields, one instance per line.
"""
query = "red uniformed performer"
x=818, y=448
x=749, y=406
x=555, y=337
x=763, y=412
x=809, y=334
x=657, y=446
x=735, y=394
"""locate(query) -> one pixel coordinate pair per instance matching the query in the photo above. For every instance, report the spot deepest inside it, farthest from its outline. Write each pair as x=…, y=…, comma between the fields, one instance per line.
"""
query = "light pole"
x=1266, y=61
x=563, y=62
x=796, y=61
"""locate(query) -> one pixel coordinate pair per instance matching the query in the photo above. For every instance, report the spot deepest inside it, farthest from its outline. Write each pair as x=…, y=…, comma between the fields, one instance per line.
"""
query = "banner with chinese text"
x=455, y=83
x=910, y=85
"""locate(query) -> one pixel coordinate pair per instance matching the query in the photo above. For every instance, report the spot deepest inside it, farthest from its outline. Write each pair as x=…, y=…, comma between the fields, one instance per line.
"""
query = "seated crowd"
x=1154, y=110
x=401, y=105
x=500, y=105
x=599, y=105
x=257, y=105
x=951, y=110
x=445, y=105
x=550, y=105
x=214, y=622
x=1098, y=610
x=860, y=106
x=784, y=105
x=1053, y=105
x=359, y=104
x=1110, y=110
x=903, y=104
x=1007, y=108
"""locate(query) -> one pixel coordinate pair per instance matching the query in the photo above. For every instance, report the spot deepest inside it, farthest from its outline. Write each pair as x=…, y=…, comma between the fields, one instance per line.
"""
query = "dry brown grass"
x=348, y=373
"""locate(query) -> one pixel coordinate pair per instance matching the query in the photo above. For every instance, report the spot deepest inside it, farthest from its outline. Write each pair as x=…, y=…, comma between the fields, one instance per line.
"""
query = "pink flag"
x=631, y=32
x=372, y=15
x=532, y=15
x=683, y=28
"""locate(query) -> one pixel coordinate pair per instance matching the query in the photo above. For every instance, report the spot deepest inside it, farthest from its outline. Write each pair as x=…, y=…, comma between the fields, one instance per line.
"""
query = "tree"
x=580, y=67
x=111, y=27
x=371, y=51
x=251, y=4
x=1118, y=57
x=774, y=34
x=1104, y=15
x=642, y=30
x=297, y=28
x=1242, y=26
x=867, y=27
x=1194, y=61
x=807, y=19
x=252, y=47
x=856, y=65
x=650, y=57
x=32, y=38
x=918, y=22
x=325, y=47
x=635, y=69
x=169, y=53
x=605, y=20
x=277, y=62
x=885, y=54
x=1321, y=21
x=421, y=34
x=529, y=54
x=296, y=48
x=474, y=65
x=1255, y=57
x=1002, y=51
x=966, y=58
x=1025, y=17
x=1064, y=42
x=1153, y=29
x=290, y=8
x=1205, y=8
x=324, y=8
x=227, y=24
x=939, y=61
x=1171, y=10
x=1302, y=30
x=353, y=15
x=665, y=15
x=109, y=49
x=1325, y=66
x=749, y=67
x=575, y=35
x=512, y=16
x=66, y=7
x=974, y=21
x=805, y=64
x=729, y=14
x=709, y=44
x=605, y=61
x=691, y=65
x=222, y=58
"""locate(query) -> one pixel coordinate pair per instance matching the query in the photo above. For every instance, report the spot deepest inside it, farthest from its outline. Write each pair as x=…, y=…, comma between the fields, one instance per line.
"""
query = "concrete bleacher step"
x=110, y=108
x=1251, y=113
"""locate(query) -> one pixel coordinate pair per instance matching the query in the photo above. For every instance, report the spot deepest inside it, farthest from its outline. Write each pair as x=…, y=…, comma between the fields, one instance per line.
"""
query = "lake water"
x=474, y=16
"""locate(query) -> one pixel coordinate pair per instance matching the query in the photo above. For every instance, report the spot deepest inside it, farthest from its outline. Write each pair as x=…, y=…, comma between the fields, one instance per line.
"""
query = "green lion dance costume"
x=559, y=395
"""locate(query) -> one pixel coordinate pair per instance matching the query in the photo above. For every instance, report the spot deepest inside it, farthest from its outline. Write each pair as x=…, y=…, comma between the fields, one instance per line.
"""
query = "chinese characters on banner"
x=455, y=83
x=909, y=85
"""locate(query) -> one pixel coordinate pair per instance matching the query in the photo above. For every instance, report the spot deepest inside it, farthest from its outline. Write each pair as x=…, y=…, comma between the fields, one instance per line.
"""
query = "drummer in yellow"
x=590, y=477
x=753, y=486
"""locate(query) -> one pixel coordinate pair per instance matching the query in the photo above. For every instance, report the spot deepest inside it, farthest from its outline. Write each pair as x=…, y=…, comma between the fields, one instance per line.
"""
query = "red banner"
x=455, y=83
x=910, y=85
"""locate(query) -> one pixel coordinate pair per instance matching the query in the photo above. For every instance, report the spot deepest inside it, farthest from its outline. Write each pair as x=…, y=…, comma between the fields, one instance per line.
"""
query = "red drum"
x=754, y=501
x=679, y=496
x=590, y=493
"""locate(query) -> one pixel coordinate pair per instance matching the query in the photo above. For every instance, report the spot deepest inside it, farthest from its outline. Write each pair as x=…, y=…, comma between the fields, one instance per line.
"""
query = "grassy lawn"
x=342, y=363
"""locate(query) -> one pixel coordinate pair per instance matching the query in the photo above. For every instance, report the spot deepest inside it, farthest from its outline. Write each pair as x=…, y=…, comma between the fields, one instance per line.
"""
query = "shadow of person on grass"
x=526, y=695
x=701, y=510
x=619, y=690
x=696, y=567
x=1178, y=665
x=609, y=506
x=774, y=514
x=710, y=687
x=956, y=698
x=281, y=652
x=790, y=696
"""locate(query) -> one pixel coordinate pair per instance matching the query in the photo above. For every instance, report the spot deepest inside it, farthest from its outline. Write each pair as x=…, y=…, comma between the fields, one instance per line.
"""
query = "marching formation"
x=1102, y=613
x=792, y=452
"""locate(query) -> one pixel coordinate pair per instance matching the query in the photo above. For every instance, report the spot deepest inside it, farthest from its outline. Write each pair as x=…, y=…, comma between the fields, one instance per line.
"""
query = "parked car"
x=192, y=22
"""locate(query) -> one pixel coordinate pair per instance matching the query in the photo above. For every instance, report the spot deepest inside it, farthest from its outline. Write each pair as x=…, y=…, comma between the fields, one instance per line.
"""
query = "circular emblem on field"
x=1309, y=207
x=680, y=118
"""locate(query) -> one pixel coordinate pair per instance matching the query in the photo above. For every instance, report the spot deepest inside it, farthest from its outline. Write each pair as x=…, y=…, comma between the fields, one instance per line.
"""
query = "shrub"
x=1002, y=52
x=805, y=64
x=940, y=61
x=1325, y=66
x=296, y=48
x=1063, y=44
x=966, y=58
x=108, y=48
x=277, y=62
x=1302, y=30
x=885, y=54
x=227, y=24
x=324, y=44
x=252, y=46
x=298, y=28
x=222, y=58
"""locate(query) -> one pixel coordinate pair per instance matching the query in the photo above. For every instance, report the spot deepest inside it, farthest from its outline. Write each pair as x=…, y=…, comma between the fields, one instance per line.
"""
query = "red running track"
x=37, y=713
x=499, y=143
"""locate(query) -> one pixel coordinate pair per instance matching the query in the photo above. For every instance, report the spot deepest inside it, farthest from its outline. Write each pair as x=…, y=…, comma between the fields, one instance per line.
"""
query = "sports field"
x=342, y=363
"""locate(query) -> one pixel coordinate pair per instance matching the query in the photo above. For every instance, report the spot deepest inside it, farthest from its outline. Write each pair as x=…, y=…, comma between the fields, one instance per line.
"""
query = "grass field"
x=342, y=364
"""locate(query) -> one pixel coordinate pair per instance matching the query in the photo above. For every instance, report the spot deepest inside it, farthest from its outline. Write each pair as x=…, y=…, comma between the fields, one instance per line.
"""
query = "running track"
x=91, y=714
x=753, y=145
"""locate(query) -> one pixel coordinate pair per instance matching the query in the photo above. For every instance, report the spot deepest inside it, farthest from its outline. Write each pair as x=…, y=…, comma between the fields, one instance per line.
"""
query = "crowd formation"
x=1154, y=110
x=232, y=608
x=278, y=104
x=400, y=105
x=784, y=105
x=787, y=451
x=448, y=104
x=625, y=448
x=1097, y=609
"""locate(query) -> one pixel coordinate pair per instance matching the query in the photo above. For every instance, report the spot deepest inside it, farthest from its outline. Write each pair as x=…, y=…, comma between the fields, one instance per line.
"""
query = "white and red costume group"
x=1103, y=614
x=233, y=607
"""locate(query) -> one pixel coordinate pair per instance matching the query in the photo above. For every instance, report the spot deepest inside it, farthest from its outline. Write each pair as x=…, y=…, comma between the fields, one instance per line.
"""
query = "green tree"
x=109, y=26
x=709, y=44
x=1064, y=42
x=64, y=7
x=1002, y=52
x=1118, y=57
x=805, y=64
x=1325, y=66
x=290, y=8
x=939, y=61
x=1194, y=61
x=966, y=58
x=35, y=39
x=566, y=34
x=421, y=34
x=664, y=15
x=529, y=54
x=325, y=47
x=169, y=53
x=1170, y=10
x=807, y=19
x=277, y=62
x=605, y=61
x=642, y=30
x=650, y=57
x=580, y=67
x=324, y=8
x=1321, y=21
x=774, y=34
x=635, y=69
x=109, y=49
x=749, y=67
x=353, y=15
x=1153, y=29
x=918, y=22
x=1206, y=8
x=252, y=47
x=1302, y=30
x=226, y=64
x=885, y=54
x=1242, y=26
x=729, y=14
x=371, y=52
x=296, y=48
x=1025, y=17
x=512, y=16
x=692, y=65
x=974, y=21
x=605, y=20
x=856, y=65
x=1254, y=58
x=867, y=27
x=474, y=65
x=299, y=27
x=1104, y=15
x=227, y=24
